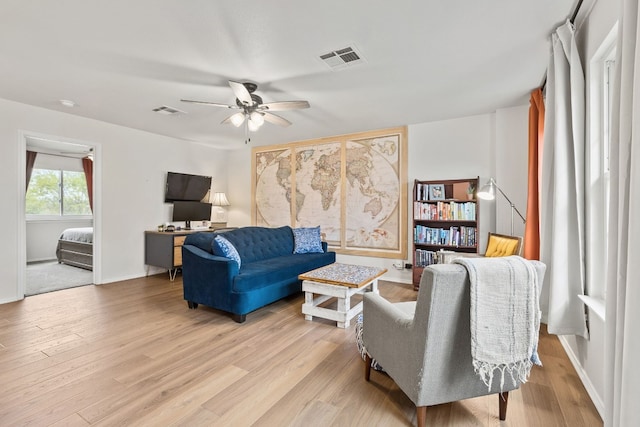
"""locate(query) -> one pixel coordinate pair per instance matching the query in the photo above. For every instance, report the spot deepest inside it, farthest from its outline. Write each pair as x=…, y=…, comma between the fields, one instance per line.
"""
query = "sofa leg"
x=367, y=367
x=192, y=305
x=503, y=399
x=240, y=318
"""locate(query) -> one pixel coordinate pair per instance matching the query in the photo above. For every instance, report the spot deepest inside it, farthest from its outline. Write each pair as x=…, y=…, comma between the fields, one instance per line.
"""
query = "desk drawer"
x=177, y=256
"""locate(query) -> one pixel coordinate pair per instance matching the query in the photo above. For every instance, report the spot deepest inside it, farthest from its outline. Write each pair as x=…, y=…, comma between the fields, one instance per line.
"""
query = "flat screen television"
x=191, y=211
x=186, y=187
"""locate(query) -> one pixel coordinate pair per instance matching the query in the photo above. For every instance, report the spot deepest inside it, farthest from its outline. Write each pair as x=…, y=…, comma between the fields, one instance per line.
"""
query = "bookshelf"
x=445, y=218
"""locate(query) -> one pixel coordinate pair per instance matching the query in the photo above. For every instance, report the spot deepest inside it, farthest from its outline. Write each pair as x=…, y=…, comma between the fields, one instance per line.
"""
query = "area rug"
x=50, y=276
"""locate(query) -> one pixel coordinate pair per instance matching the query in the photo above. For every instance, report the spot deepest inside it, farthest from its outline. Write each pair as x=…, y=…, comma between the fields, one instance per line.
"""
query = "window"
x=57, y=193
x=608, y=73
x=607, y=98
x=602, y=73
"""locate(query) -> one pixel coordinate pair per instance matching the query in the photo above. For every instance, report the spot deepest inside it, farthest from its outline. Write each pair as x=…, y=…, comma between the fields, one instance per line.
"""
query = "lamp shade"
x=219, y=199
x=488, y=191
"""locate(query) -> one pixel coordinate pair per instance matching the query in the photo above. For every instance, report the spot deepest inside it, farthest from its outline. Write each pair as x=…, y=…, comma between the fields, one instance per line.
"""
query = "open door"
x=59, y=222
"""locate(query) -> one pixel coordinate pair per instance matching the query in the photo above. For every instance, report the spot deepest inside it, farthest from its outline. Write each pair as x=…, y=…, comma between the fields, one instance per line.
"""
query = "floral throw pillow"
x=307, y=240
x=228, y=250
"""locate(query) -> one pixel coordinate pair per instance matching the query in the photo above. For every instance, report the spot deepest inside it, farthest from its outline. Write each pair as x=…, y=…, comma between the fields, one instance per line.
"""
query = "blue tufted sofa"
x=268, y=269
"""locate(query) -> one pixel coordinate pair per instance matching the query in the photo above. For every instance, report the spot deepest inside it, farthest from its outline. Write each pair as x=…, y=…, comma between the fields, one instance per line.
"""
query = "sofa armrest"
x=207, y=279
x=191, y=249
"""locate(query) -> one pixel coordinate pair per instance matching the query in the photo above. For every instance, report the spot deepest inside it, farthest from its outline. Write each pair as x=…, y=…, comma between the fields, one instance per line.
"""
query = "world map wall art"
x=353, y=186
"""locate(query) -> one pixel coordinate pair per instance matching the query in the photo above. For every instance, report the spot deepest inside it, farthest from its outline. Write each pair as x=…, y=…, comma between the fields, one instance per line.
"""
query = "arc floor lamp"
x=488, y=192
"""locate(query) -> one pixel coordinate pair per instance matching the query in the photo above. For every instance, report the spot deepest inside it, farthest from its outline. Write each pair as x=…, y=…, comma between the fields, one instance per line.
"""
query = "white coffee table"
x=340, y=281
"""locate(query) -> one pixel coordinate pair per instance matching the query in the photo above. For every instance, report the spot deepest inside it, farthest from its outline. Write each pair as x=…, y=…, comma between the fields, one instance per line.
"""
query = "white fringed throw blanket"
x=505, y=317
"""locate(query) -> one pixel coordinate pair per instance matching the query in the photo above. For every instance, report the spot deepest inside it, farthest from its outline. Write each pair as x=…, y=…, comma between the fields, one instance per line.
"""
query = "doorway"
x=59, y=225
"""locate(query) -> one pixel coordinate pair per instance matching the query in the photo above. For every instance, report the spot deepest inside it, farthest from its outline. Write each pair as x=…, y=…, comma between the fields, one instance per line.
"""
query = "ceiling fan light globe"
x=257, y=118
x=237, y=119
x=253, y=126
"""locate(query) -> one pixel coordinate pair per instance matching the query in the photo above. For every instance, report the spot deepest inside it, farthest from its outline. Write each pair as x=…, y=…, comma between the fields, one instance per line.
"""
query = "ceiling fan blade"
x=210, y=104
x=285, y=105
x=276, y=120
x=241, y=92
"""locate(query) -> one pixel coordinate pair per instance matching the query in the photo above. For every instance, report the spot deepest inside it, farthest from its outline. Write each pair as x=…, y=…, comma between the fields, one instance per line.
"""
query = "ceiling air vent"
x=168, y=110
x=342, y=58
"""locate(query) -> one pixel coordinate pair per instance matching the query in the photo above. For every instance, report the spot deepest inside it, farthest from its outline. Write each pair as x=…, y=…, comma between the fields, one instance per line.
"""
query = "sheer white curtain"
x=562, y=186
x=622, y=333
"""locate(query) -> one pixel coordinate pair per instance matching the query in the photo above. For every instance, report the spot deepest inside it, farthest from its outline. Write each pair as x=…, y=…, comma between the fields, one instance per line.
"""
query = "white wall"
x=511, y=167
x=449, y=149
x=452, y=149
x=239, y=195
x=42, y=237
x=131, y=166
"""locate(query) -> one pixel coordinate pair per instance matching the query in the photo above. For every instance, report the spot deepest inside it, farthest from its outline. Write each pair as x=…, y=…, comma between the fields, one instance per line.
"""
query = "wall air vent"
x=342, y=58
x=168, y=111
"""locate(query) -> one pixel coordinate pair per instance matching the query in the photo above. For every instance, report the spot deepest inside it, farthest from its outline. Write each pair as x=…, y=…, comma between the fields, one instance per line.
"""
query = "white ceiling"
x=424, y=60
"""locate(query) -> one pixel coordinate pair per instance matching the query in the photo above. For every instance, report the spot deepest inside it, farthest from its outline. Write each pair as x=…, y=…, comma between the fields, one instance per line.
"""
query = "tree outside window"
x=57, y=193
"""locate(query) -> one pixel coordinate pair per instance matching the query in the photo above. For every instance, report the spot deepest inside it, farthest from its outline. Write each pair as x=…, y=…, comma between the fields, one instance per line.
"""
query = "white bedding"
x=82, y=234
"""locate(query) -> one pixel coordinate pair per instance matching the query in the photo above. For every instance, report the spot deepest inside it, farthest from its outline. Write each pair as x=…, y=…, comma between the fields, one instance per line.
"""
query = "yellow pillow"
x=501, y=246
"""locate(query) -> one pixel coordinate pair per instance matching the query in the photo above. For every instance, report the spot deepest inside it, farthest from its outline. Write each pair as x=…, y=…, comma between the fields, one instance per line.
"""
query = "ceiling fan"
x=253, y=112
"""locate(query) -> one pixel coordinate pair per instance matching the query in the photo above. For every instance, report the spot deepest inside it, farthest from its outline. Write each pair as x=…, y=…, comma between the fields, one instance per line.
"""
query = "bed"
x=75, y=247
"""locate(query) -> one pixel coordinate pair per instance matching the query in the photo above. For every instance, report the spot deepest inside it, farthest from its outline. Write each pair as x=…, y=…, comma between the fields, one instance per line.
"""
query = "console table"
x=164, y=249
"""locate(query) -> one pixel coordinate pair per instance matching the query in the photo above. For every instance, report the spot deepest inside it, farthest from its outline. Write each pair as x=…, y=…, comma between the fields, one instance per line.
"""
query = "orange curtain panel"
x=536, y=132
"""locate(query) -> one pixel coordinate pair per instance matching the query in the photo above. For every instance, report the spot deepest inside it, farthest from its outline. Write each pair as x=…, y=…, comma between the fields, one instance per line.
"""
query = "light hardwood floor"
x=131, y=353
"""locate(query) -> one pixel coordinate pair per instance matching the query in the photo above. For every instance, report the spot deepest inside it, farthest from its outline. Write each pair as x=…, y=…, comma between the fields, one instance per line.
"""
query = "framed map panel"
x=273, y=188
x=373, y=194
x=352, y=186
x=319, y=190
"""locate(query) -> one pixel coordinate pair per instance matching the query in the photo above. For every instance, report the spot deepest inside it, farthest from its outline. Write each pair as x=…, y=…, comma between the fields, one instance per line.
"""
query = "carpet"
x=50, y=276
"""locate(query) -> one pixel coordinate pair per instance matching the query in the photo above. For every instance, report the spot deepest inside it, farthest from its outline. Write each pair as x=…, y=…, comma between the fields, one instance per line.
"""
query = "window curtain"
x=87, y=165
x=536, y=134
x=562, y=187
x=31, y=160
x=622, y=325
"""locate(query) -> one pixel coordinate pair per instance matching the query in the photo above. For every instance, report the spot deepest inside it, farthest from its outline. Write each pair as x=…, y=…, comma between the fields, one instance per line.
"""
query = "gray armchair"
x=425, y=346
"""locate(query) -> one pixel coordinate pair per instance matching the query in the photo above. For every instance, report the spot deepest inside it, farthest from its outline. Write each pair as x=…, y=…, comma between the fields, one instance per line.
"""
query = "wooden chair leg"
x=421, y=412
x=503, y=399
x=367, y=367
